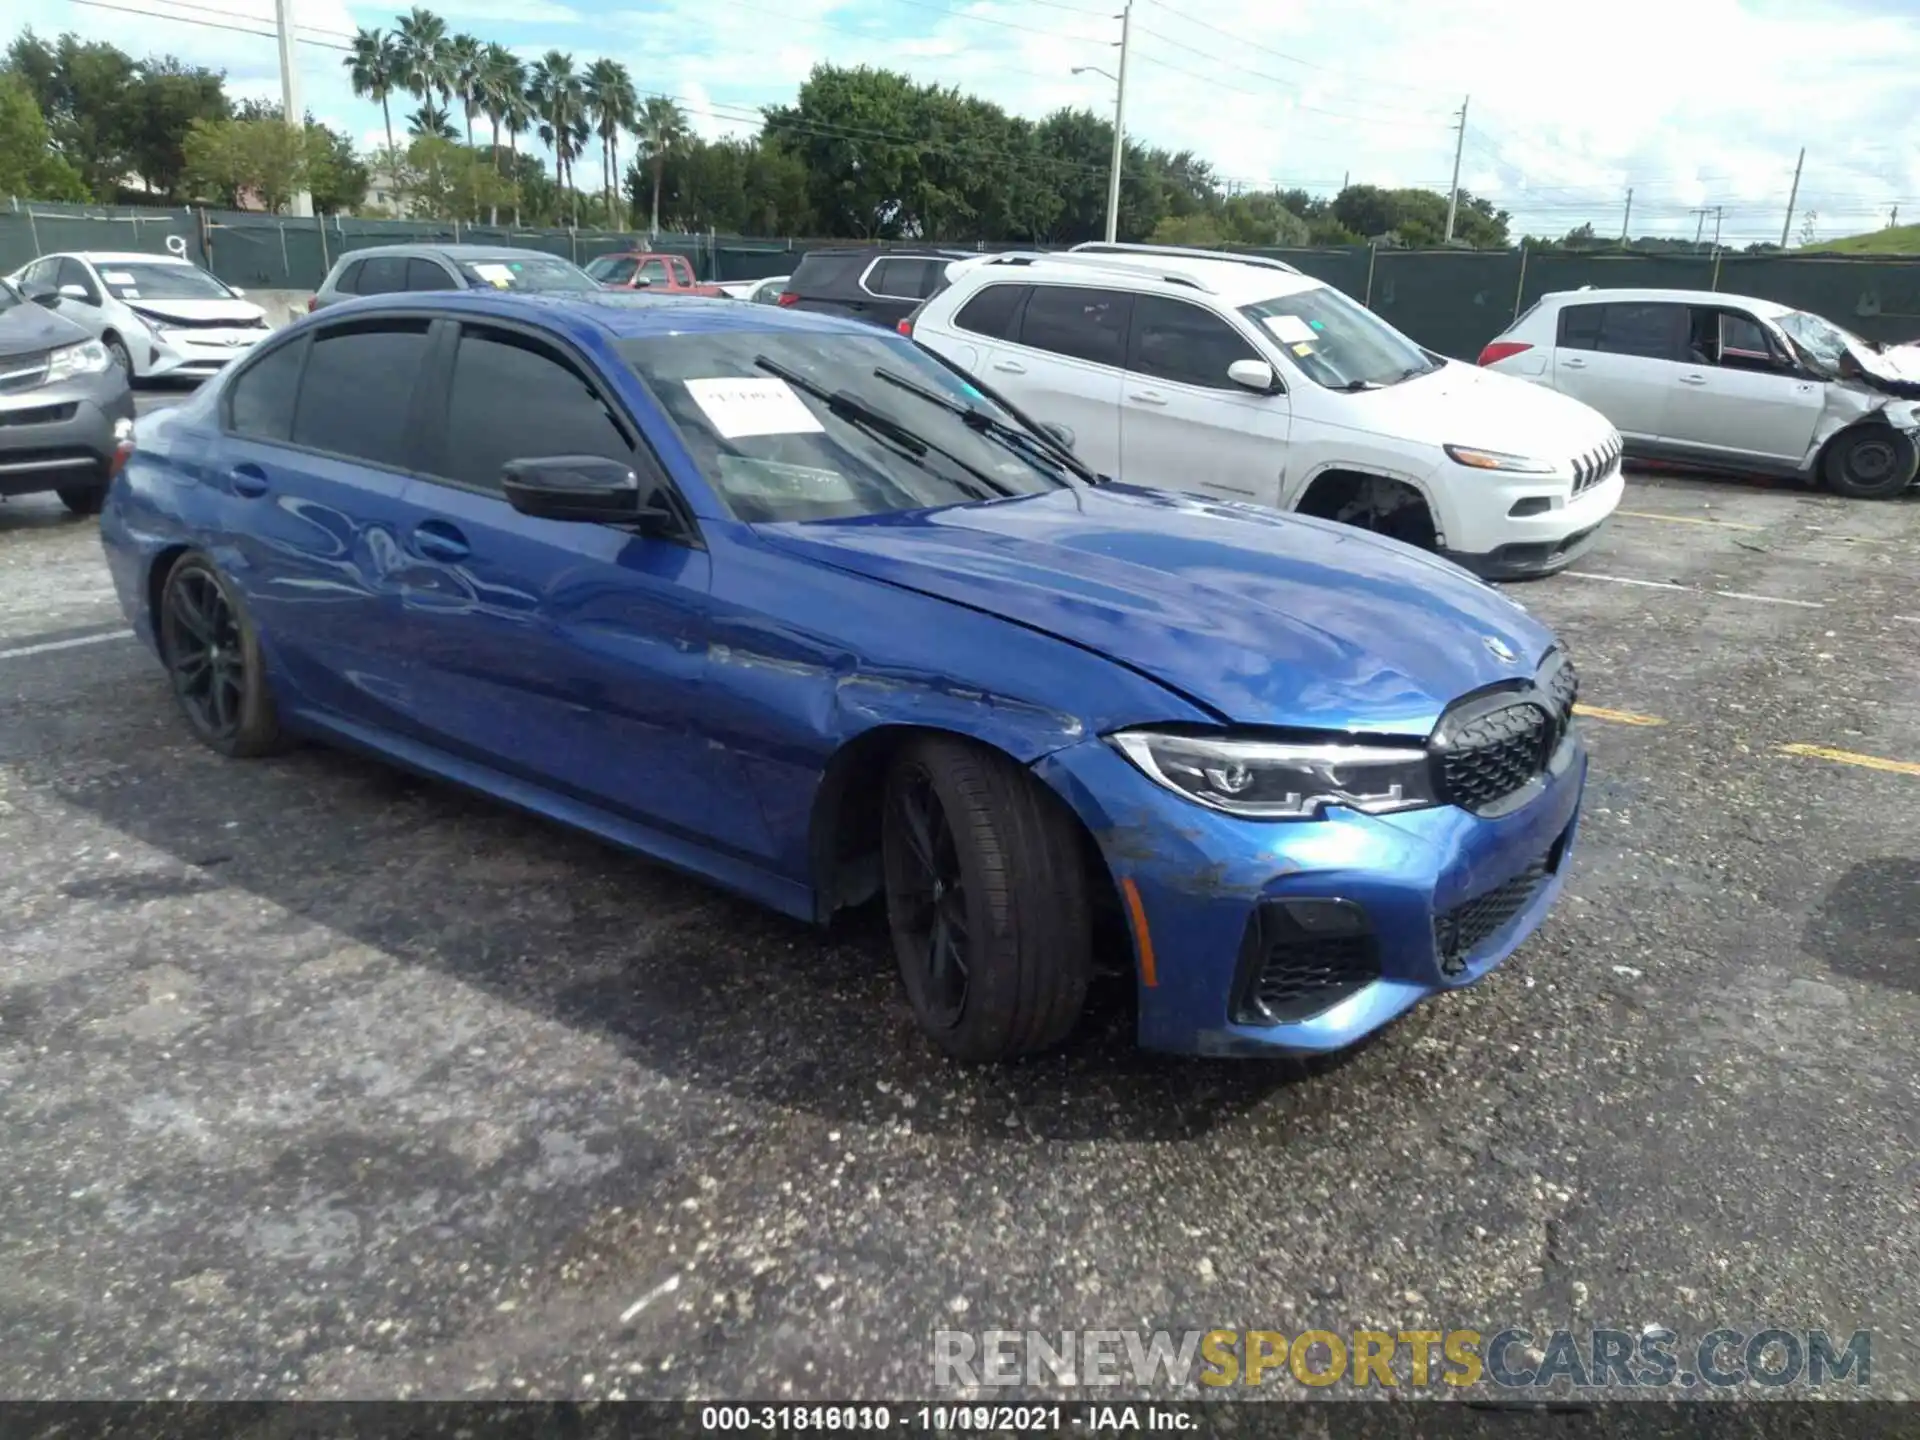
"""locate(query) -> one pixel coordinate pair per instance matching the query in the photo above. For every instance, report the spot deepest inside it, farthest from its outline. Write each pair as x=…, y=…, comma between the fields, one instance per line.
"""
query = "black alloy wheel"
x=927, y=900
x=213, y=660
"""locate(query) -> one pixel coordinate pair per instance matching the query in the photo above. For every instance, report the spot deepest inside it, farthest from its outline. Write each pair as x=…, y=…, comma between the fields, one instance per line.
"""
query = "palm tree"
x=499, y=79
x=610, y=104
x=373, y=66
x=517, y=115
x=463, y=55
x=560, y=102
x=423, y=54
x=662, y=131
x=432, y=119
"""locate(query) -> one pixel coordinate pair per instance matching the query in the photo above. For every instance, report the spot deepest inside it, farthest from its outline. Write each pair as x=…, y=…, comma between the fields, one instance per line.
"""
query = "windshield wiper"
x=858, y=412
x=1353, y=387
x=1028, y=442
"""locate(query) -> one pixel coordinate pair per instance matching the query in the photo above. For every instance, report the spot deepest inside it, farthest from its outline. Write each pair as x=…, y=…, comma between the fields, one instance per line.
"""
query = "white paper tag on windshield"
x=117, y=277
x=499, y=276
x=1291, y=330
x=738, y=408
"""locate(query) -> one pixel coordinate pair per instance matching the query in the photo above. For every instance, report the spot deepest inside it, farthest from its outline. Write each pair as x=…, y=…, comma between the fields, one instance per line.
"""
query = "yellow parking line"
x=1849, y=757
x=1687, y=520
x=1618, y=717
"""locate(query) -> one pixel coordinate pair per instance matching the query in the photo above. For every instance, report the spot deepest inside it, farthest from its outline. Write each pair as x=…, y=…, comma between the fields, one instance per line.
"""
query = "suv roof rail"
x=1113, y=265
x=1122, y=247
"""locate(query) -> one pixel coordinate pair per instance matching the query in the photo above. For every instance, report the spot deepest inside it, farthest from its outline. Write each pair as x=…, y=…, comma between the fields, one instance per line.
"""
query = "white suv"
x=1727, y=382
x=1244, y=380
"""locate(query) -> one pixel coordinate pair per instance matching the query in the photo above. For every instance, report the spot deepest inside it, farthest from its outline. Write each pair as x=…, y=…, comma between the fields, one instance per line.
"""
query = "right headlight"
x=1280, y=780
x=89, y=357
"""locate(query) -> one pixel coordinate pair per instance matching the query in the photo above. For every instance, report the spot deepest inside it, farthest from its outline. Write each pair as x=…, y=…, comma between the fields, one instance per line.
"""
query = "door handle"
x=437, y=540
x=1574, y=364
x=1147, y=397
x=1693, y=379
x=247, y=479
x=1012, y=367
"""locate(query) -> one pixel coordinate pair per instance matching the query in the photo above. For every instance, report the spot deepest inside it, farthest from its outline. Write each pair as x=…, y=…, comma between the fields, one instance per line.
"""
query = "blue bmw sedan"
x=793, y=605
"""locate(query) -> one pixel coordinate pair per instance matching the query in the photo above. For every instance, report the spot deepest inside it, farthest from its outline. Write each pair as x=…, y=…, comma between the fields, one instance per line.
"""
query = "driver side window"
x=72, y=272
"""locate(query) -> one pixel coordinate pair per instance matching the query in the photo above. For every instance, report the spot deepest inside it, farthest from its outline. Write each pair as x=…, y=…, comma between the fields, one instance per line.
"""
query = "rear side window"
x=899, y=278
x=349, y=281
x=1172, y=340
x=260, y=403
x=994, y=312
x=1081, y=323
x=382, y=275
x=426, y=275
x=655, y=270
x=1649, y=330
x=513, y=399
x=356, y=395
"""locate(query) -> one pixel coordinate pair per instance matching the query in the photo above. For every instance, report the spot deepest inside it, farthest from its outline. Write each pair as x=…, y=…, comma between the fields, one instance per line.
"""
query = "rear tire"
x=986, y=901
x=83, y=499
x=1871, y=462
x=212, y=655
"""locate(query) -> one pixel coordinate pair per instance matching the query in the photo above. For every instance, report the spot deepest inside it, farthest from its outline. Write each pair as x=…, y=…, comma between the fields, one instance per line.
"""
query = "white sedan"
x=158, y=315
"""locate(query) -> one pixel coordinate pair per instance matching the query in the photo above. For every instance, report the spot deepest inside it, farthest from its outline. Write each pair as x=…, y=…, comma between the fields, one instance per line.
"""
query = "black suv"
x=879, y=284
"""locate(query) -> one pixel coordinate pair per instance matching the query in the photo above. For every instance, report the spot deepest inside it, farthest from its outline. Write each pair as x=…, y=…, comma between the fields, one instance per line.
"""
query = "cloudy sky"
x=1690, y=103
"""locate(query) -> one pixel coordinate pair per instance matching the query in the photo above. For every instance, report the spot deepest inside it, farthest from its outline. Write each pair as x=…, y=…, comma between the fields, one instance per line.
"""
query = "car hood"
x=1462, y=404
x=29, y=329
x=1263, y=618
x=200, y=312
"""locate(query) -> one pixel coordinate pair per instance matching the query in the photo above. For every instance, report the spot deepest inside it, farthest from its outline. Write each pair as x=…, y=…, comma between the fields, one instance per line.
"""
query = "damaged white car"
x=1729, y=383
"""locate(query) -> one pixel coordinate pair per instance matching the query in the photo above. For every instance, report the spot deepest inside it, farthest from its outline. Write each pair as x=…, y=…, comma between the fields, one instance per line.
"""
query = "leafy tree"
x=81, y=89
x=421, y=36
x=503, y=96
x=29, y=166
x=464, y=57
x=660, y=132
x=230, y=160
x=432, y=119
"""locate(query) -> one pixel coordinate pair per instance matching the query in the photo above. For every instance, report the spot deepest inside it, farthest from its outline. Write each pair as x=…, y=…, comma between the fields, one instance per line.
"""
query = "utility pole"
x=1119, y=125
x=1459, y=144
x=1893, y=220
x=1626, y=220
x=290, y=89
x=1793, y=197
x=1718, y=215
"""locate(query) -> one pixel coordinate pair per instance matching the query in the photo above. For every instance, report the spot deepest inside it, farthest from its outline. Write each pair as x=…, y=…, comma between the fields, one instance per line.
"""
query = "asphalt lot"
x=320, y=1081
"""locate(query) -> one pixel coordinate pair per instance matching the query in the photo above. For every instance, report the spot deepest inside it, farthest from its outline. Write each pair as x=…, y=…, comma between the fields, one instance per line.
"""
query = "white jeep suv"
x=1241, y=379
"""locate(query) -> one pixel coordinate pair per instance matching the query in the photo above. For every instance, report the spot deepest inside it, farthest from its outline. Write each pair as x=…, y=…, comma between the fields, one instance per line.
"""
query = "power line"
x=207, y=24
x=1277, y=54
x=1401, y=111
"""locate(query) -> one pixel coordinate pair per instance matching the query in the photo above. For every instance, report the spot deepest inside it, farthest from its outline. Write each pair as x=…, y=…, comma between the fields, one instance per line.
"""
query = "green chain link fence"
x=1452, y=301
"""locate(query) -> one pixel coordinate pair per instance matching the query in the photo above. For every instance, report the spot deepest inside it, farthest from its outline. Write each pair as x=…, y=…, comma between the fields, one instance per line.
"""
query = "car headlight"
x=1278, y=780
x=1475, y=459
x=89, y=357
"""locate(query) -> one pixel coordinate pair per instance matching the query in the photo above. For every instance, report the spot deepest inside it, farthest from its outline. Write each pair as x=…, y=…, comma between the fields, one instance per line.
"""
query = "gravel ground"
x=320, y=1081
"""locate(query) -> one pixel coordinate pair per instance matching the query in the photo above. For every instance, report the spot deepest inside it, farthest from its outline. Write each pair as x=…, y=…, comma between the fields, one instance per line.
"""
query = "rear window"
x=527, y=273
x=903, y=278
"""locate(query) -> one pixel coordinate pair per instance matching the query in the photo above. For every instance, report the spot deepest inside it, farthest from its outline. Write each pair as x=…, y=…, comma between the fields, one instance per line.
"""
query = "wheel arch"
x=1328, y=488
x=1874, y=419
x=844, y=826
x=158, y=570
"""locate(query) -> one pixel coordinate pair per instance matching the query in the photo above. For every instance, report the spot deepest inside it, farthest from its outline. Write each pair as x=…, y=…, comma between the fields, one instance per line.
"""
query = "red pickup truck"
x=662, y=274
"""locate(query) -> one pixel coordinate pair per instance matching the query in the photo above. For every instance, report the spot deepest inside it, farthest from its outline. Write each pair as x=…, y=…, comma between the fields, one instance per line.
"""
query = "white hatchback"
x=1728, y=383
x=157, y=314
x=1244, y=380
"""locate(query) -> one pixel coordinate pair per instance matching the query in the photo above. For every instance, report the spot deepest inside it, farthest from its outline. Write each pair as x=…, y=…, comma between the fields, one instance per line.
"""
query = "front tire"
x=1871, y=462
x=117, y=348
x=212, y=655
x=986, y=901
x=83, y=499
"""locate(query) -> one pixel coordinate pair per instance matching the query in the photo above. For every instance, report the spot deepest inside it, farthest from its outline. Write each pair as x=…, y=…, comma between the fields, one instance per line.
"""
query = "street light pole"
x=1119, y=126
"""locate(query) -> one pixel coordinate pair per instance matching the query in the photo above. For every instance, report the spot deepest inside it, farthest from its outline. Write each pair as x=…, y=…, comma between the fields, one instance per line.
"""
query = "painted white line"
x=1696, y=590
x=1910, y=619
x=21, y=652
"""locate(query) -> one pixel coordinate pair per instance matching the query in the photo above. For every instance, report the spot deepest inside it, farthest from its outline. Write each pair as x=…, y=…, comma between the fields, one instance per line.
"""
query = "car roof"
x=121, y=257
x=455, y=252
x=1231, y=281
x=618, y=314
x=1650, y=295
x=881, y=252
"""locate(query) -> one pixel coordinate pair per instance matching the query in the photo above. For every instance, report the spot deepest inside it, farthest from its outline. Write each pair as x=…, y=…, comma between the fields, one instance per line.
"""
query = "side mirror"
x=587, y=488
x=1254, y=375
x=74, y=292
x=49, y=298
x=1059, y=432
x=641, y=282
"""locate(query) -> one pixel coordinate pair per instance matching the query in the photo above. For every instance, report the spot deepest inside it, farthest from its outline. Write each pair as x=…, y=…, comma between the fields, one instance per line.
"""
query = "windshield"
x=526, y=273
x=9, y=297
x=1822, y=339
x=612, y=269
x=774, y=452
x=1337, y=343
x=135, y=281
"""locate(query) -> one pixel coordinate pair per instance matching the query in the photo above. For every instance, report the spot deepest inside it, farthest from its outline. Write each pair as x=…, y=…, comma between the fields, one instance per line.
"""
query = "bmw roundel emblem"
x=1499, y=649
